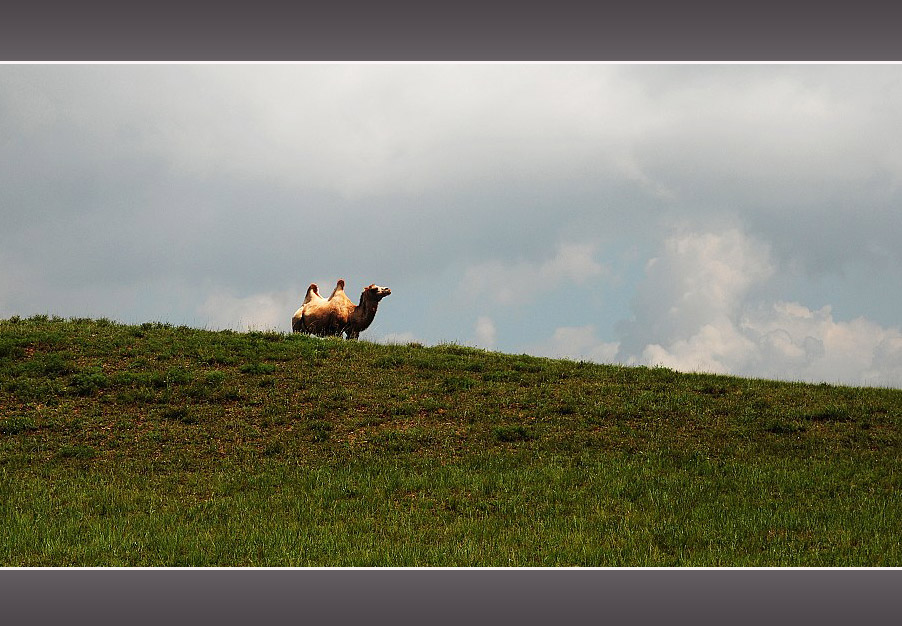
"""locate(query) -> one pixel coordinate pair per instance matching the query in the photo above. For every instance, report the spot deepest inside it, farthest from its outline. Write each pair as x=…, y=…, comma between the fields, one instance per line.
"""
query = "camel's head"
x=376, y=293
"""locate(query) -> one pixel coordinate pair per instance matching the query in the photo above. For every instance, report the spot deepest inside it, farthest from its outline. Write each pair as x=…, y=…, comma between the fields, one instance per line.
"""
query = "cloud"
x=361, y=131
x=486, y=333
x=263, y=311
x=577, y=343
x=698, y=282
x=697, y=310
x=716, y=347
x=796, y=342
x=509, y=283
x=886, y=366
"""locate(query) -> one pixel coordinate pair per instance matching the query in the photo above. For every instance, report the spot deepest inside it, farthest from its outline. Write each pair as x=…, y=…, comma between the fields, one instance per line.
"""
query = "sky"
x=738, y=219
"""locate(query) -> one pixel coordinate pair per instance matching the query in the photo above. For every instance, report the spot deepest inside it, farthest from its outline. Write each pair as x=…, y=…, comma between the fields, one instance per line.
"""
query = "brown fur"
x=361, y=316
x=311, y=316
x=340, y=305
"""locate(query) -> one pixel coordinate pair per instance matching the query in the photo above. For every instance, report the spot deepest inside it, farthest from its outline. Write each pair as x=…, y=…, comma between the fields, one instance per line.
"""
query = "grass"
x=157, y=445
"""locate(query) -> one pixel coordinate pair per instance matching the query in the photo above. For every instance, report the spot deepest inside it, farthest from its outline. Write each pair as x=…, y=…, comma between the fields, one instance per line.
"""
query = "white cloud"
x=716, y=347
x=486, y=333
x=697, y=283
x=578, y=343
x=263, y=311
x=525, y=281
x=357, y=130
x=795, y=342
x=886, y=366
x=695, y=312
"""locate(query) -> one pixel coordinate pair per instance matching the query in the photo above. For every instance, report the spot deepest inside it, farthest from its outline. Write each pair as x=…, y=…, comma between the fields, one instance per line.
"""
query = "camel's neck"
x=365, y=312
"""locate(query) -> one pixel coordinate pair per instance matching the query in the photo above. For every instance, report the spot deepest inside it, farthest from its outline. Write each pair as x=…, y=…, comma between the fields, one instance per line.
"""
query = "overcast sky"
x=741, y=219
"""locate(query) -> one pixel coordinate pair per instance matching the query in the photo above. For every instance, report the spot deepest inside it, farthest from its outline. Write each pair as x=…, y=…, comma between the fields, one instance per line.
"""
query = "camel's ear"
x=341, y=283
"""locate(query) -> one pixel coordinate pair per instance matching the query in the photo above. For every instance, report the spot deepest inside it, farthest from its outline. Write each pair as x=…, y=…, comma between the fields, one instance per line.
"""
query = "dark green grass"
x=156, y=445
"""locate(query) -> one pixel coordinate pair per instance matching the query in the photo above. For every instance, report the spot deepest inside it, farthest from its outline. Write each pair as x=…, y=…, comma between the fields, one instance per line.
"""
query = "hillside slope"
x=155, y=445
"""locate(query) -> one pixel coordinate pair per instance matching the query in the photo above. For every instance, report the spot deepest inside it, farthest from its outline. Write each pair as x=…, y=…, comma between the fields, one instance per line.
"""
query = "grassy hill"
x=154, y=445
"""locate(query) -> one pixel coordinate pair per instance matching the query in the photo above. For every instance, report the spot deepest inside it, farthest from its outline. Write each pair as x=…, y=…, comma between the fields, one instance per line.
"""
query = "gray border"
x=444, y=596
x=478, y=31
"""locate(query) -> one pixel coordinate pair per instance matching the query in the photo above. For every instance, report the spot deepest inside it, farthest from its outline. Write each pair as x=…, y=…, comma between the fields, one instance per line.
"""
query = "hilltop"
x=158, y=445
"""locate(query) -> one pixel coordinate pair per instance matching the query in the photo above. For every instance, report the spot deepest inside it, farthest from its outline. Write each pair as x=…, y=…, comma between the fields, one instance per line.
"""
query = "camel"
x=337, y=315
